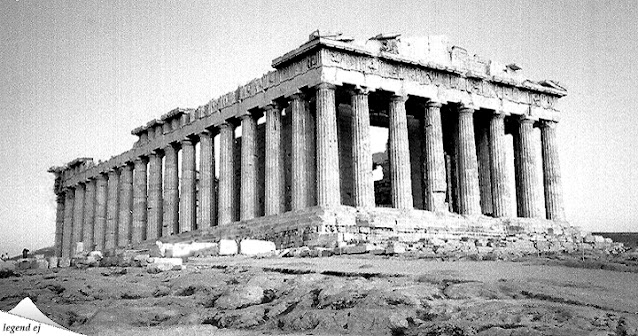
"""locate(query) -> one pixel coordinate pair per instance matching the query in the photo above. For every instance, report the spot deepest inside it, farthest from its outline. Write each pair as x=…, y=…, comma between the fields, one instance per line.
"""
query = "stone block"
x=355, y=249
x=53, y=262
x=599, y=239
x=40, y=264
x=437, y=241
x=6, y=265
x=301, y=252
x=64, y=262
x=164, y=264
x=395, y=248
x=79, y=247
x=589, y=239
x=253, y=247
x=227, y=247
x=39, y=256
x=24, y=264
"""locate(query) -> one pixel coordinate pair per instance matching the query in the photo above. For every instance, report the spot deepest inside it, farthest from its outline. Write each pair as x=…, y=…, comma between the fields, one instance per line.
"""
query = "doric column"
x=501, y=198
x=67, y=230
x=274, y=162
x=125, y=207
x=525, y=164
x=155, y=198
x=170, y=220
x=469, y=195
x=483, y=161
x=138, y=233
x=89, y=216
x=361, y=152
x=110, y=235
x=248, y=199
x=328, y=190
x=207, y=199
x=59, y=222
x=551, y=172
x=101, y=193
x=187, y=197
x=226, y=173
x=300, y=148
x=434, y=158
x=78, y=216
x=399, y=154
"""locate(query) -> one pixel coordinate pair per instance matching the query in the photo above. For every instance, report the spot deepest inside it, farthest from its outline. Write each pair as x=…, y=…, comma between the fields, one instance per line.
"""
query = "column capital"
x=524, y=120
x=398, y=97
x=273, y=106
x=187, y=141
x=208, y=132
x=298, y=96
x=326, y=86
x=359, y=90
x=226, y=125
x=140, y=160
x=433, y=104
x=543, y=123
x=466, y=108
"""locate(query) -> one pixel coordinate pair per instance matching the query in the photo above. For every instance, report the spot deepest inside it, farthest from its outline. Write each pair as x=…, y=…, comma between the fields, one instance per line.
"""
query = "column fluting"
x=140, y=201
x=110, y=235
x=155, y=197
x=399, y=154
x=300, y=148
x=274, y=176
x=60, y=198
x=525, y=162
x=101, y=192
x=361, y=149
x=226, y=207
x=328, y=189
x=78, y=216
x=89, y=215
x=434, y=159
x=170, y=220
x=67, y=230
x=469, y=194
x=483, y=157
x=125, y=207
x=501, y=198
x=187, y=207
x=248, y=199
x=208, y=198
x=552, y=184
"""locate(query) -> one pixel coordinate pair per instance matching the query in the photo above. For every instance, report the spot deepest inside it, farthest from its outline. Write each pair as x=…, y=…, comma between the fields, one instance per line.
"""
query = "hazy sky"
x=76, y=76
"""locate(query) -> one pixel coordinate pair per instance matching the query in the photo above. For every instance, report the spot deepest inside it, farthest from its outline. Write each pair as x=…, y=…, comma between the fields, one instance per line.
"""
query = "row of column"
x=143, y=200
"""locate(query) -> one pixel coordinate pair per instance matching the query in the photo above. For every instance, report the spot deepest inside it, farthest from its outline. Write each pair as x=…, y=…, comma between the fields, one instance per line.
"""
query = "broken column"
x=399, y=155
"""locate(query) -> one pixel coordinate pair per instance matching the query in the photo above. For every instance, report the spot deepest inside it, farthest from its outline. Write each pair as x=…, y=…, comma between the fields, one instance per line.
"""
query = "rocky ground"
x=364, y=294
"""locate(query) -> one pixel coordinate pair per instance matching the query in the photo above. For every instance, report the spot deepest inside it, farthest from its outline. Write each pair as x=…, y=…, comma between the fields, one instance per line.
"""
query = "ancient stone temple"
x=300, y=171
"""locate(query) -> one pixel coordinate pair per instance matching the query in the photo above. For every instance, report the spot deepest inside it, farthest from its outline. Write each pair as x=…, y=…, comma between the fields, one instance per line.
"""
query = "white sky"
x=77, y=76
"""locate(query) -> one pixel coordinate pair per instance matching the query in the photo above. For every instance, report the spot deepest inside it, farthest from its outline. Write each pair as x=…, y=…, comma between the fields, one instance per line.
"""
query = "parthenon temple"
x=294, y=162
